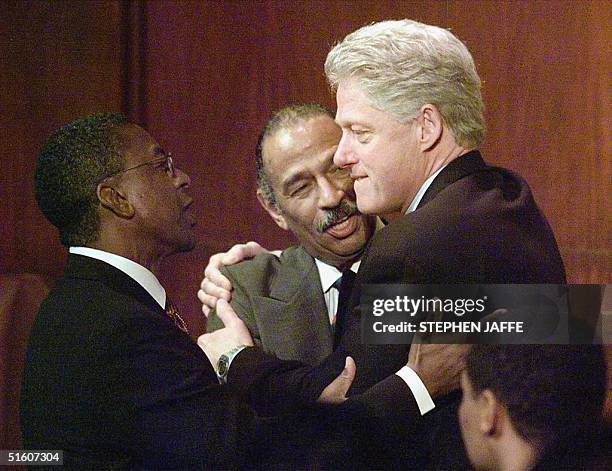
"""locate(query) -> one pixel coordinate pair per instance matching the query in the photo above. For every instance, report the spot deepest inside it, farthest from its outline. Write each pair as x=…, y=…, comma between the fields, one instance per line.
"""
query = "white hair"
x=403, y=65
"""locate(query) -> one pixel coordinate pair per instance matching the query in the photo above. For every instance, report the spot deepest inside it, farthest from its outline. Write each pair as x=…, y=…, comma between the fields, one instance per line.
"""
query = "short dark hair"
x=552, y=392
x=282, y=119
x=68, y=167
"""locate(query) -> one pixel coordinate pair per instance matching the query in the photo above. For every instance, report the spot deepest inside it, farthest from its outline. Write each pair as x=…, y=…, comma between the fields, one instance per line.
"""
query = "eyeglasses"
x=169, y=167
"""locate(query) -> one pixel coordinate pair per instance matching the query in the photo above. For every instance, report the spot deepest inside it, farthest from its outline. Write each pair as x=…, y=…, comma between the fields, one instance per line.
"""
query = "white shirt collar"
x=419, y=196
x=137, y=272
x=329, y=274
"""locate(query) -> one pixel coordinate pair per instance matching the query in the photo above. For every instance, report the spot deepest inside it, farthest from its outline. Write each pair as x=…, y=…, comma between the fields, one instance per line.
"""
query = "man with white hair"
x=411, y=114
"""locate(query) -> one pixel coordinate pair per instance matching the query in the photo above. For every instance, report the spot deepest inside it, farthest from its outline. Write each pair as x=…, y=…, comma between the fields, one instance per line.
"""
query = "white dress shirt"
x=137, y=272
x=328, y=275
x=419, y=195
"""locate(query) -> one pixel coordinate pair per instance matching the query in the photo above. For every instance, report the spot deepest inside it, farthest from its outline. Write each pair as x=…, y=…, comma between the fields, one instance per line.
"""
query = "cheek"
x=300, y=215
x=465, y=410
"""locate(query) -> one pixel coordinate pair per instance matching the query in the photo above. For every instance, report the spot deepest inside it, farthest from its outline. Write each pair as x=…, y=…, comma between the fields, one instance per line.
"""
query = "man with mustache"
x=289, y=302
x=411, y=113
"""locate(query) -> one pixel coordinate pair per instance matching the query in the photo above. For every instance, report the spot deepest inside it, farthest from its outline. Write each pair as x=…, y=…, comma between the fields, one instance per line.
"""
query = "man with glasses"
x=112, y=377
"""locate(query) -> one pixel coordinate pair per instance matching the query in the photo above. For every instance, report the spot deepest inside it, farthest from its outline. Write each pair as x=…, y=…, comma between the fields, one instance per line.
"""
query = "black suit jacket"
x=475, y=224
x=111, y=381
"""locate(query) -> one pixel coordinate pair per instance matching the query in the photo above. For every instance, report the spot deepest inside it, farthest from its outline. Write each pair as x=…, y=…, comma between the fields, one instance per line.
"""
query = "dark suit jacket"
x=281, y=301
x=475, y=224
x=111, y=381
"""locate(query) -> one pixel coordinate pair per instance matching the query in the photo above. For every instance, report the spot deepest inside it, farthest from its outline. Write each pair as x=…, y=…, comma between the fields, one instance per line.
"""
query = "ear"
x=489, y=408
x=431, y=126
x=274, y=213
x=114, y=200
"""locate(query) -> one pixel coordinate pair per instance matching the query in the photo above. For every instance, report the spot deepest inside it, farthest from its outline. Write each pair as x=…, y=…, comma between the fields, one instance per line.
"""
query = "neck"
x=516, y=455
x=342, y=263
x=348, y=264
x=435, y=159
x=125, y=245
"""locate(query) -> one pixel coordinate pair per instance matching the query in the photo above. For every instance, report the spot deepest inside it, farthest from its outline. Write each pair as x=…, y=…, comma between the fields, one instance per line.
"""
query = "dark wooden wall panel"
x=204, y=76
x=59, y=60
x=217, y=69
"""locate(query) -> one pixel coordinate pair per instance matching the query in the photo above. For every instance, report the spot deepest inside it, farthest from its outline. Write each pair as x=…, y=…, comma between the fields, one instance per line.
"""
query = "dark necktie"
x=344, y=285
x=173, y=313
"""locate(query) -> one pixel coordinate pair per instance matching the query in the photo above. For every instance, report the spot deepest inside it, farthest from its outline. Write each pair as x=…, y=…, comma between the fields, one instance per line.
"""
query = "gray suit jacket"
x=281, y=301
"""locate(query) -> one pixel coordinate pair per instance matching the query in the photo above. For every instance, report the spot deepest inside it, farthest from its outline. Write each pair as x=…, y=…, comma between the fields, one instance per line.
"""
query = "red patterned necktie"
x=172, y=313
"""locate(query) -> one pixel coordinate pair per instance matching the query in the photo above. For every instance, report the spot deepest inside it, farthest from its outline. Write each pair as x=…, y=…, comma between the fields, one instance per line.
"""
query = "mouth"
x=345, y=227
x=359, y=181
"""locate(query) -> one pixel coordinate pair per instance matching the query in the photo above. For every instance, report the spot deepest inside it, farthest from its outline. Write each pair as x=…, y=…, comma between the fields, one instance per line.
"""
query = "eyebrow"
x=350, y=123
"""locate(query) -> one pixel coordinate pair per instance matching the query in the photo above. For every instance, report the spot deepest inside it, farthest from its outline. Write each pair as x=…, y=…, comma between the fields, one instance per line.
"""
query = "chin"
x=353, y=245
x=369, y=206
x=377, y=205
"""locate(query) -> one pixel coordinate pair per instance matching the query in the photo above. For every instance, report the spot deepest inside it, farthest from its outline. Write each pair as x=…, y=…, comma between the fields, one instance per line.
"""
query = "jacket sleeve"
x=168, y=403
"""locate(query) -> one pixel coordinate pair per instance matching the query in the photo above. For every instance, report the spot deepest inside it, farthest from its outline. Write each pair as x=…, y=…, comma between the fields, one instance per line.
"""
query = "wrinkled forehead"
x=304, y=143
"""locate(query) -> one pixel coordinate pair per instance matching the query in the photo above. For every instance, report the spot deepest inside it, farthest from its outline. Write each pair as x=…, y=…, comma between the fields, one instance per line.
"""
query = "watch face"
x=223, y=365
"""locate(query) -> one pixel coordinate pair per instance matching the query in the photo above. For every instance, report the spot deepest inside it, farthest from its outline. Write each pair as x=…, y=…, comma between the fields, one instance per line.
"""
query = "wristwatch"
x=225, y=361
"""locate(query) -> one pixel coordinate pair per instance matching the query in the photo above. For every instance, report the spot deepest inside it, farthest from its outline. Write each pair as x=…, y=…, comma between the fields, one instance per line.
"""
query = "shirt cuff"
x=418, y=389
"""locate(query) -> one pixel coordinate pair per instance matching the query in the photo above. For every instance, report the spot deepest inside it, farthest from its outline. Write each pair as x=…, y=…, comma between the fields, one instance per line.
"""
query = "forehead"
x=301, y=145
x=136, y=144
x=354, y=107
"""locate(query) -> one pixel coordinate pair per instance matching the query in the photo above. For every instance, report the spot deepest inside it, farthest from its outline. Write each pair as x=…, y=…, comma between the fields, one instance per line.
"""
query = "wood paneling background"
x=203, y=77
x=59, y=60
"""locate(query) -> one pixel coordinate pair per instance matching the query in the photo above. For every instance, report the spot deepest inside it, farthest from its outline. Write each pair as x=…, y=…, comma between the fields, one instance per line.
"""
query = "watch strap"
x=225, y=361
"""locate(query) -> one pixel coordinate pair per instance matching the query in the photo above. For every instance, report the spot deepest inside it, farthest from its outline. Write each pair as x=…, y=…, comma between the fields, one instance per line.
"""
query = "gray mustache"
x=345, y=209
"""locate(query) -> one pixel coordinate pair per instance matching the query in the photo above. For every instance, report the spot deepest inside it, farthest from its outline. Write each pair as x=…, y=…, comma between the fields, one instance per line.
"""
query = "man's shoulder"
x=90, y=304
x=482, y=227
x=266, y=266
x=487, y=192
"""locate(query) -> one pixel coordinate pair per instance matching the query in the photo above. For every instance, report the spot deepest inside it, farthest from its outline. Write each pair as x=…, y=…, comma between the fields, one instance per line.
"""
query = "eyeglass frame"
x=167, y=158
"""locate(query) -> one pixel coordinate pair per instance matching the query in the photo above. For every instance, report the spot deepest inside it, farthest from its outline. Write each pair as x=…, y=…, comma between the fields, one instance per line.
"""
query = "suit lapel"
x=296, y=304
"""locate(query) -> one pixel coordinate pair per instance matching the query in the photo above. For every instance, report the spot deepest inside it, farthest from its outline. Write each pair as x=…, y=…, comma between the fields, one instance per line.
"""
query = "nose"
x=344, y=155
x=330, y=193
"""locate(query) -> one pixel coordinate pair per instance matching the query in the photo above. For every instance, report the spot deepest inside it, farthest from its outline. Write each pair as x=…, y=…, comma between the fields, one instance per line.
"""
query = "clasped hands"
x=438, y=365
